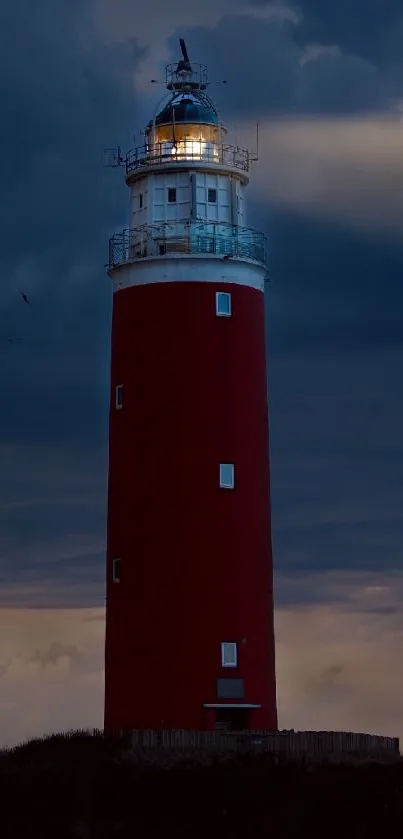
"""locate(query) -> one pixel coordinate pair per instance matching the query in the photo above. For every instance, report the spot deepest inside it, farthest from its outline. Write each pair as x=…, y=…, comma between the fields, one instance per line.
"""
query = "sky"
x=325, y=82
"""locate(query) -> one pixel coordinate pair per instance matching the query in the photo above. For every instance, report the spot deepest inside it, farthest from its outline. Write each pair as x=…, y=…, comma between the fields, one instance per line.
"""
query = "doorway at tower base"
x=231, y=717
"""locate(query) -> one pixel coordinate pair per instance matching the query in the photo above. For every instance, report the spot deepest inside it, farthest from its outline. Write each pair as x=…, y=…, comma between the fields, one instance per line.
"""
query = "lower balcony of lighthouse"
x=175, y=239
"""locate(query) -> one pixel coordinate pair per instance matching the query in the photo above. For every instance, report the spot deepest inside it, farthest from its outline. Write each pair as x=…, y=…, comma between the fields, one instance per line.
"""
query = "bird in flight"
x=24, y=297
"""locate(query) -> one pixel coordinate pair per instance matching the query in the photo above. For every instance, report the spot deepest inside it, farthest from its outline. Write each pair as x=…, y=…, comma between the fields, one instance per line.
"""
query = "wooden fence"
x=287, y=743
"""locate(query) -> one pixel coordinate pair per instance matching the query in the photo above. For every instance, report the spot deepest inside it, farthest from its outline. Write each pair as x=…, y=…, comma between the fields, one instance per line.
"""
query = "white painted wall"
x=240, y=208
x=150, y=204
x=219, y=211
x=162, y=210
x=198, y=269
x=139, y=202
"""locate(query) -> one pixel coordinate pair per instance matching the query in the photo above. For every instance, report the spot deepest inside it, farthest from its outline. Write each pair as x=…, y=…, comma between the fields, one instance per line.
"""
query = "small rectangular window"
x=227, y=475
x=229, y=656
x=230, y=689
x=223, y=304
x=212, y=196
x=171, y=195
x=119, y=396
x=116, y=570
x=141, y=201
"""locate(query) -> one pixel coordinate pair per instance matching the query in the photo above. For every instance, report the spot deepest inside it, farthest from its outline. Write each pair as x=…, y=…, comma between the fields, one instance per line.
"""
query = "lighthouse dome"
x=187, y=110
x=185, y=120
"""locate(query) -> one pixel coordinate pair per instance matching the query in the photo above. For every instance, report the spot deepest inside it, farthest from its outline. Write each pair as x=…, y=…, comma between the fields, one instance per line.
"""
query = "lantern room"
x=188, y=126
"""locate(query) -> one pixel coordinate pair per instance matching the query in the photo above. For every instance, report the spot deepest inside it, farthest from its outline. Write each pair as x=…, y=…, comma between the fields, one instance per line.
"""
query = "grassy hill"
x=85, y=786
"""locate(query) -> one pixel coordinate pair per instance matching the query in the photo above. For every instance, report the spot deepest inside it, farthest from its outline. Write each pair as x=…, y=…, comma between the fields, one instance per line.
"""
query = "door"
x=231, y=719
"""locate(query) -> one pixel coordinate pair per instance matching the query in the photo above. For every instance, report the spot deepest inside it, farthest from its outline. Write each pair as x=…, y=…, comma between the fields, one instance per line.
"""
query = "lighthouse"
x=189, y=606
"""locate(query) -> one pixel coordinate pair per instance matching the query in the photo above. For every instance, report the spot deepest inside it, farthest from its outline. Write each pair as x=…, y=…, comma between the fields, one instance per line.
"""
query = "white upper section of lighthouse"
x=187, y=188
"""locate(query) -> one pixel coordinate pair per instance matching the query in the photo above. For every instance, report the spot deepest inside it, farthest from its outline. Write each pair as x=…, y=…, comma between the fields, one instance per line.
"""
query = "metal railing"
x=189, y=151
x=204, y=238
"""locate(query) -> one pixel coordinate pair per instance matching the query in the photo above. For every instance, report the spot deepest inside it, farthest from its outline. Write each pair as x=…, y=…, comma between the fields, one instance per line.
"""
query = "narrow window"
x=171, y=195
x=212, y=196
x=119, y=396
x=227, y=475
x=223, y=304
x=141, y=201
x=229, y=656
x=116, y=571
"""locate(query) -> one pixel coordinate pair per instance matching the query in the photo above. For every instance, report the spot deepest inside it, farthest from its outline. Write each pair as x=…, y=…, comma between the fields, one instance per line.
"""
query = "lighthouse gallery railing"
x=226, y=240
x=189, y=151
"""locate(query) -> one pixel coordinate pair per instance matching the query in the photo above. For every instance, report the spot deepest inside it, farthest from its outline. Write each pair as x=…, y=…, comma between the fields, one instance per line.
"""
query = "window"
x=171, y=195
x=212, y=196
x=141, y=201
x=227, y=475
x=116, y=570
x=229, y=656
x=230, y=689
x=223, y=304
x=119, y=396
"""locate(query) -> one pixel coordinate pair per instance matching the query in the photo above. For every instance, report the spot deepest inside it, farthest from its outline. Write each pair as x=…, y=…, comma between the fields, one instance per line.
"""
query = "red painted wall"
x=196, y=562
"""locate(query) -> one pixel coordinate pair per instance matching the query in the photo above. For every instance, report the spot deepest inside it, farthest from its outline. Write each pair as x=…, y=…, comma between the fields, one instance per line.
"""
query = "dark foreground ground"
x=85, y=786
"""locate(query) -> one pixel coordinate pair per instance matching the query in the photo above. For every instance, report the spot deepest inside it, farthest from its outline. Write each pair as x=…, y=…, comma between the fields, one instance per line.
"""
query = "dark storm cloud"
x=337, y=462
x=272, y=68
x=335, y=408
x=65, y=97
x=52, y=524
x=370, y=28
x=333, y=291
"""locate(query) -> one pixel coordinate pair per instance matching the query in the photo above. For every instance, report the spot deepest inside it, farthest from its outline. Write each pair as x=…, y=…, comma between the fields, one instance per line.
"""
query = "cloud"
x=371, y=28
x=336, y=480
x=66, y=93
x=349, y=171
x=327, y=192
x=338, y=667
x=325, y=682
x=119, y=19
x=280, y=72
x=54, y=653
x=67, y=100
x=67, y=97
x=280, y=11
x=47, y=687
x=52, y=521
x=314, y=51
x=376, y=592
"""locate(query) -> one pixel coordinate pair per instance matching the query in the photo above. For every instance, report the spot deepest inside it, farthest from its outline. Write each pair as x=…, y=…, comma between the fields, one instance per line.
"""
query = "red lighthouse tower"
x=189, y=614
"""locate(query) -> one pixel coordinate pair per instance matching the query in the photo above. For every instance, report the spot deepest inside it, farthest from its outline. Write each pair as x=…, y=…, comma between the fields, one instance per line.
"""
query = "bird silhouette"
x=24, y=297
